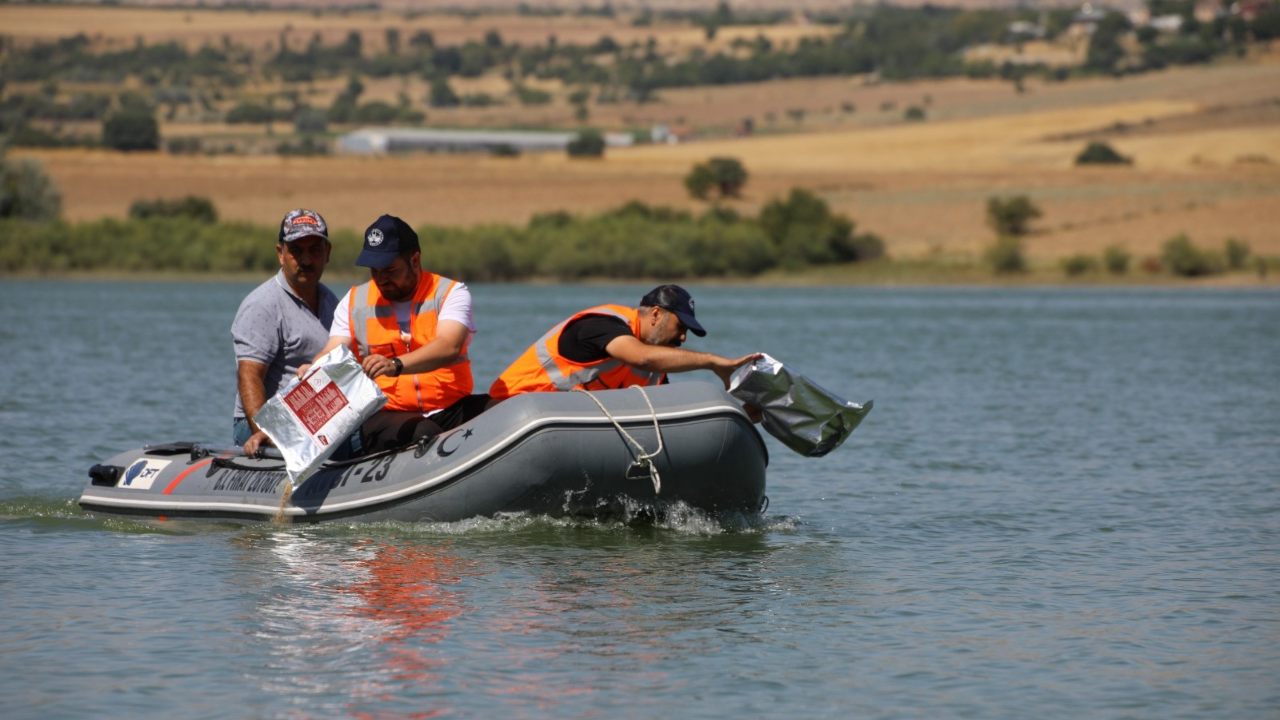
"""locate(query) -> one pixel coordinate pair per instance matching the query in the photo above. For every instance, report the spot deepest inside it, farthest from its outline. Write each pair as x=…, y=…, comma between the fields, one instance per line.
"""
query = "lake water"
x=1065, y=504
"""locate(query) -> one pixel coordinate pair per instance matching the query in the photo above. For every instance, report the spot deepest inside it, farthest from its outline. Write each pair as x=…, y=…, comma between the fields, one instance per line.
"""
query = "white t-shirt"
x=457, y=307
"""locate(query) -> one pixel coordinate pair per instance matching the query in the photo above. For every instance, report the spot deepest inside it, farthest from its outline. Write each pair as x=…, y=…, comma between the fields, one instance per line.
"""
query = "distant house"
x=384, y=141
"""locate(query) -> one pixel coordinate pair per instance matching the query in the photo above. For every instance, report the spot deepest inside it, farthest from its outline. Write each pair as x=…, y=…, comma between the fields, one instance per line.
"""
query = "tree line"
x=632, y=241
x=893, y=42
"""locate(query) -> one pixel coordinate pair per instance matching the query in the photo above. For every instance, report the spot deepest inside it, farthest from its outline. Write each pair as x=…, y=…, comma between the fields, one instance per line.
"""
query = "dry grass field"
x=262, y=29
x=1205, y=143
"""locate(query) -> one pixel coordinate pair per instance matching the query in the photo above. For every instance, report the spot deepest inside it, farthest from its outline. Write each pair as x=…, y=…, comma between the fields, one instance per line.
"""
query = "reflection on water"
x=358, y=621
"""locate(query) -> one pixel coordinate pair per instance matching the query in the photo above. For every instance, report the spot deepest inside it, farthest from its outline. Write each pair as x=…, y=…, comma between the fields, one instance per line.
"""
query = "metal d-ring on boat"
x=562, y=454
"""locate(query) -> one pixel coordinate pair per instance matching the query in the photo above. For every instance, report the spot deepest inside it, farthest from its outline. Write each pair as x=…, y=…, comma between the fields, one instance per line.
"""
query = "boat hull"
x=547, y=453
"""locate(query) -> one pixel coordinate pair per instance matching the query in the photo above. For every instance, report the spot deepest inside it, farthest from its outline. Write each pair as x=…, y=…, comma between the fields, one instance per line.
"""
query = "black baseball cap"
x=301, y=223
x=386, y=239
x=677, y=300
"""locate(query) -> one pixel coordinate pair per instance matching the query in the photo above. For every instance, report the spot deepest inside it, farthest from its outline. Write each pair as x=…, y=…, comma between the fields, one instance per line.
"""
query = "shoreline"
x=881, y=276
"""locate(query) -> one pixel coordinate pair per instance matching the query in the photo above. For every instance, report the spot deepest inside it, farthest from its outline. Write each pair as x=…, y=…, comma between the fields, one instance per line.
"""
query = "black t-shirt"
x=584, y=339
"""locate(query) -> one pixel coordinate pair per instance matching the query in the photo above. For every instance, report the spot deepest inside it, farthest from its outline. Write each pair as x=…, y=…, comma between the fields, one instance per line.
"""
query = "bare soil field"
x=922, y=186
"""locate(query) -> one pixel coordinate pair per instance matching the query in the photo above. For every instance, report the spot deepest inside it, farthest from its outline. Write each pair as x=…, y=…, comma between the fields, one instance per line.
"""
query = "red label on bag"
x=315, y=408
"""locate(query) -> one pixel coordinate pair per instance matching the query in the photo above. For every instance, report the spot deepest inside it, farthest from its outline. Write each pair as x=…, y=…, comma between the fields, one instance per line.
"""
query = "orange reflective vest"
x=542, y=368
x=374, y=330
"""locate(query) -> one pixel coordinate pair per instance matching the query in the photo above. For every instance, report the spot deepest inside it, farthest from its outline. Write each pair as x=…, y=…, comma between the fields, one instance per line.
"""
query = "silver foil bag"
x=805, y=417
x=309, y=418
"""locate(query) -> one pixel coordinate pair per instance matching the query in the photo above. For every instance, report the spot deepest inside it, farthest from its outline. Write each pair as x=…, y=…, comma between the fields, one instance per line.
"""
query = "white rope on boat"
x=642, y=456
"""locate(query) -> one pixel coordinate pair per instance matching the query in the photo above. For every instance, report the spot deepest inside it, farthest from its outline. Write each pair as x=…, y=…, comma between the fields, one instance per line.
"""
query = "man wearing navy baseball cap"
x=419, y=360
x=615, y=346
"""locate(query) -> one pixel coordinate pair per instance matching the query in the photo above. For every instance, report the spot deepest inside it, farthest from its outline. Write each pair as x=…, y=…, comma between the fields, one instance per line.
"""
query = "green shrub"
x=309, y=145
x=247, y=111
x=1236, y=252
x=1116, y=260
x=1100, y=153
x=531, y=96
x=375, y=112
x=725, y=175
x=191, y=206
x=1180, y=256
x=1012, y=215
x=1079, y=264
x=131, y=128
x=1005, y=256
x=26, y=192
x=183, y=146
x=442, y=94
x=805, y=232
x=587, y=143
x=914, y=113
x=310, y=120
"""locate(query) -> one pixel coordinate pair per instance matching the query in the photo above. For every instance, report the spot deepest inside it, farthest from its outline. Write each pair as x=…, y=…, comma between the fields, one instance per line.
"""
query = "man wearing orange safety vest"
x=614, y=346
x=409, y=328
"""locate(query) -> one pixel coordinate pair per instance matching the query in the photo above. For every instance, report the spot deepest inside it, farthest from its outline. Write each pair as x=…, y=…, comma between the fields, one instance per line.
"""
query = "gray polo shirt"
x=276, y=328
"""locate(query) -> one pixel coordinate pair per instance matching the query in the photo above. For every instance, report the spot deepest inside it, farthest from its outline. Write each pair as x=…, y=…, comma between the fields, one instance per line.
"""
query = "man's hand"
x=376, y=366
x=724, y=367
x=256, y=441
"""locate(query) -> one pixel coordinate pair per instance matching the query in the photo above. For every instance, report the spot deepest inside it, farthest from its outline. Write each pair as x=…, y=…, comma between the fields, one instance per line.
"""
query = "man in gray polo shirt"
x=283, y=323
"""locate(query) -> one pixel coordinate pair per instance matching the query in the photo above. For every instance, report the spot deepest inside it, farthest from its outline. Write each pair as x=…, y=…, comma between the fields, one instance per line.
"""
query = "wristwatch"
x=399, y=365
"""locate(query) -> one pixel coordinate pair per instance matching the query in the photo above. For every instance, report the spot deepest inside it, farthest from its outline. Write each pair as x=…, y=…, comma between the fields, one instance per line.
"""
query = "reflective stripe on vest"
x=362, y=311
x=541, y=367
x=370, y=312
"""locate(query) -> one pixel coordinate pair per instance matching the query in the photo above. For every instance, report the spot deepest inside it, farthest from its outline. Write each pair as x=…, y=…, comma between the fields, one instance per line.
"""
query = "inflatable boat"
x=560, y=454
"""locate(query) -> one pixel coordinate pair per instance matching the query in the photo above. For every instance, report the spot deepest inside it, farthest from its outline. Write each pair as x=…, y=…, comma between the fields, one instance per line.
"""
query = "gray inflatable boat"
x=560, y=454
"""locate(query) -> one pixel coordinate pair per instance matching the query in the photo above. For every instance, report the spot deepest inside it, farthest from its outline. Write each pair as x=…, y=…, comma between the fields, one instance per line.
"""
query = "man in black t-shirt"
x=612, y=346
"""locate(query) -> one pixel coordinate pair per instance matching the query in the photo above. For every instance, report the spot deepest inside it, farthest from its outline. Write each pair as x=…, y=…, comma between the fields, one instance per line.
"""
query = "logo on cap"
x=374, y=238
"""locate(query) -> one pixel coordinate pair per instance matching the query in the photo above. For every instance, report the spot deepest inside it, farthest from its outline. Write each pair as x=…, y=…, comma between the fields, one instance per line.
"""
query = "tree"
x=699, y=181
x=345, y=103
x=725, y=175
x=1116, y=259
x=1100, y=153
x=587, y=143
x=26, y=192
x=805, y=231
x=131, y=128
x=1182, y=257
x=1105, y=51
x=1011, y=216
x=442, y=95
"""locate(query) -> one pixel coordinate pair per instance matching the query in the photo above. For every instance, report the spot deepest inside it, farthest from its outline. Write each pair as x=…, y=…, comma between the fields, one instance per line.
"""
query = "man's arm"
x=251, y=379
x=251, y=382
x=445, y=349
x=659, y=358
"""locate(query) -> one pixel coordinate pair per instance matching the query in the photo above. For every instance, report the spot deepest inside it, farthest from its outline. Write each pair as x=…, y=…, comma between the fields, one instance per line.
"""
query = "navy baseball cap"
x=677, y=300
x=386, y=239
x=301, y=223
